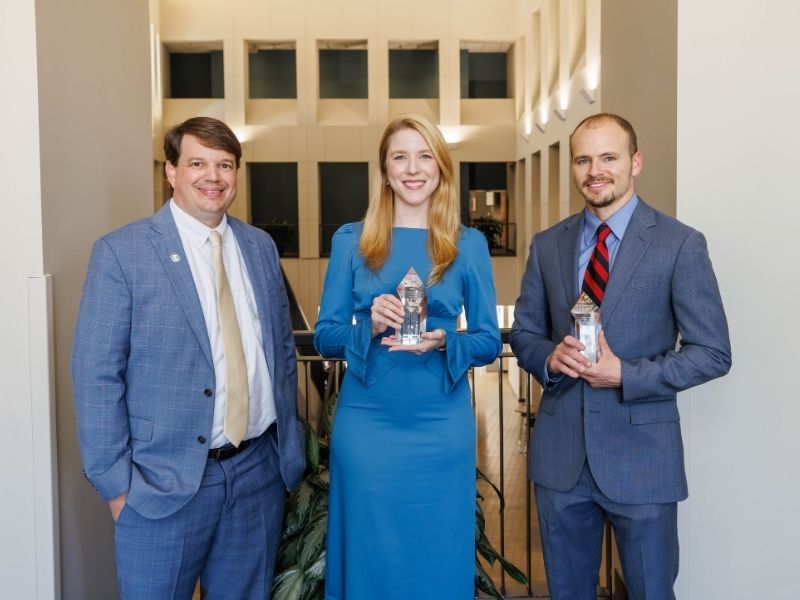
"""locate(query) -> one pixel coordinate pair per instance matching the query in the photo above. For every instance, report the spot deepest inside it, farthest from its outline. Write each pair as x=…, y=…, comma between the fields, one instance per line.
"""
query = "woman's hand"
x=387, y=311
x=431, y=340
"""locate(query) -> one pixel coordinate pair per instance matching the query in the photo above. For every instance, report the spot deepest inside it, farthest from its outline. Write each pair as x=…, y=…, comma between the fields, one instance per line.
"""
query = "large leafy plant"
x=301, y=555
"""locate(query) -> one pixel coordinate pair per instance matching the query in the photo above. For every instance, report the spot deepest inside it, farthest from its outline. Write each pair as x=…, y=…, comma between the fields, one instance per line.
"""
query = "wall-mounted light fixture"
x=591, y=78
x=542, y=116
x=563, y=103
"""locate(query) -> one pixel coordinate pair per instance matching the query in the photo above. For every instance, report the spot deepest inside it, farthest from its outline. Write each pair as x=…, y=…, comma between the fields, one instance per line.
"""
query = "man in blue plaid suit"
x=189, y=500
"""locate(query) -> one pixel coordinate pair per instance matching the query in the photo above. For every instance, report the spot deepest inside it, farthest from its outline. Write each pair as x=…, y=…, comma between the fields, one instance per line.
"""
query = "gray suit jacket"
x=663, y=317
x=142, y=369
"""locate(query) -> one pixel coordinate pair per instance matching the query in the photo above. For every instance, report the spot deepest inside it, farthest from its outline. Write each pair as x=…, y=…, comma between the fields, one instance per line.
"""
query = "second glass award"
x=587, y=325
x=414, y=298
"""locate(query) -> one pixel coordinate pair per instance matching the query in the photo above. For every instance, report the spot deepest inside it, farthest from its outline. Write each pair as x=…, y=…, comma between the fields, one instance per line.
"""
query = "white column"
x=737, y=151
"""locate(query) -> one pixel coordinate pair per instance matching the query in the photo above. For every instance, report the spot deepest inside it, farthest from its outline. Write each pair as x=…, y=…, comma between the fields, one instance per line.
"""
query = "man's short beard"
x=601, y=202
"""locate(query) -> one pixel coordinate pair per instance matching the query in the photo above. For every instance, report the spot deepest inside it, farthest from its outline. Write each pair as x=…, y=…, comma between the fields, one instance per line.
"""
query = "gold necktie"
x=235, y=424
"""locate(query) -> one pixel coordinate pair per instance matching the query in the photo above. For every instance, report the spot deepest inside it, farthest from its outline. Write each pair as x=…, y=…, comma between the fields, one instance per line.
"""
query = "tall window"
x=343, y=70
x=485, y=204
x=196, y=74
x=273, y=203
x=344, y=195
x=484, y=74
x=413, y=70
x=273, y=71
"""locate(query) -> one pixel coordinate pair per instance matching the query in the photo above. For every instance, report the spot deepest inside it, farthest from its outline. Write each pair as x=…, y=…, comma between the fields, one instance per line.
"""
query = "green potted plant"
x=300, y=573
x=491, y=227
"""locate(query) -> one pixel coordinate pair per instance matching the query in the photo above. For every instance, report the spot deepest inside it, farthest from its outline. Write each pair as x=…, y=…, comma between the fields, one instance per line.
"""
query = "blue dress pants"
x=226, y=535
x=571, y=525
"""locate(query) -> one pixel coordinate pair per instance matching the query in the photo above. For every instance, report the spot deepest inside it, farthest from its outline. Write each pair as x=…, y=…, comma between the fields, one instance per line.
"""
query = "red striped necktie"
x=596, y=277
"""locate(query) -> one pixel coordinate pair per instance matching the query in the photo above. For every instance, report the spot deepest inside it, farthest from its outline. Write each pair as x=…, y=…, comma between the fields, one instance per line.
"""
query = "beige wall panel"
x=359, y=17
x=482, y=20
x=343, y=144
x=323, y=19
x=639, y=79
x=287, y=18
x=311, y=288
x=272, y=112
x=96, y=175
x=298, y=145
x=309, y=237
x=272, y=146
x=315, y=138
x=431, y=18
x=395, y=21
x=234, y=57
x=449, y=57
x=493, y=144
x=196, y=20
x=370, y=136
x=507, y=277
x=487, y=111
x=343, y=111
x=180, y=109
x=427, y=107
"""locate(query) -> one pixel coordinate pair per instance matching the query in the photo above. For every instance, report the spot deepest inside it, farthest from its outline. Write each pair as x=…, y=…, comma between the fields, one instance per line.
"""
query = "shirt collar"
x=618, y=222
x=196, y=232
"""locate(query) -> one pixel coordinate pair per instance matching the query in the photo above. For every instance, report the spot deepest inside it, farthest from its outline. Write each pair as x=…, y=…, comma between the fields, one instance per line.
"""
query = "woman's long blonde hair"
x=443, y=211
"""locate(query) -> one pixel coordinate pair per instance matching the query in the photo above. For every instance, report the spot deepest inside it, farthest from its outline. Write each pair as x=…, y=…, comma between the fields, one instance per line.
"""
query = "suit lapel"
x=638, y=237
x=259, y=279
x=168, y=247
x=568, y=245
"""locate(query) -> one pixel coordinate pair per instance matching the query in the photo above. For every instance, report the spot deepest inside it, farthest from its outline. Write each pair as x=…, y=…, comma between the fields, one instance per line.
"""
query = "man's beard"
x=603, y=201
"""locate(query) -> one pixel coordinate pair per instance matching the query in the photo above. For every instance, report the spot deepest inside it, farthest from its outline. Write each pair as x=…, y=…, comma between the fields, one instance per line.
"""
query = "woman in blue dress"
x=402, y=496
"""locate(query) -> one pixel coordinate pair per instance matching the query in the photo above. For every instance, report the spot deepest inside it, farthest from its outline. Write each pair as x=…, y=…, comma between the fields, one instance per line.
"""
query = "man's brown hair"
x=212, y=133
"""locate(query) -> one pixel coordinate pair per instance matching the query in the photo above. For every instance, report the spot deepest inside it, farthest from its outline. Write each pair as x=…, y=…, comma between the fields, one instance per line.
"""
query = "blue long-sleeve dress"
x=402, y=496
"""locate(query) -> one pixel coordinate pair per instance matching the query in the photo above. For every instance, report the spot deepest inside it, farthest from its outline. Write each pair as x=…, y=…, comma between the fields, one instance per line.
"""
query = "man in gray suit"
x=185, y=384
x=607, y=440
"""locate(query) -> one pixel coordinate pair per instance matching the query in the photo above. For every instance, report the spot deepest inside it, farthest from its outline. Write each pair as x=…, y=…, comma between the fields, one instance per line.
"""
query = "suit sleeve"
x=704, y=350
x=531, y=332
x=481, y=343
x=99, y=362
x=289, y=350
x=336, y=336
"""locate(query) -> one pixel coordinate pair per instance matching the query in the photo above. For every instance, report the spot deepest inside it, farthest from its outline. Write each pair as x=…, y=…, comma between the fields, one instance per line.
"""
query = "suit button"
x=201, y=439
x=207, y=392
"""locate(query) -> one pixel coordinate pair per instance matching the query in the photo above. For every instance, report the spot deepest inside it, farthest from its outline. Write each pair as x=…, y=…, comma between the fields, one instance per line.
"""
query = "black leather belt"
x=229, y=450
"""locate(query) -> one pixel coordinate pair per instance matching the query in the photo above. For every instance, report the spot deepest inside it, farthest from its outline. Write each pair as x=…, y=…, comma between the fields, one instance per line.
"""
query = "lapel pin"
x=174, y=258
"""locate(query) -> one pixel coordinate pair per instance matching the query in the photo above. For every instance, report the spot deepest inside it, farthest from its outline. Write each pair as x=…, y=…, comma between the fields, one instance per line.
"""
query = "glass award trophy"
x=412, y=294
x=587, y=325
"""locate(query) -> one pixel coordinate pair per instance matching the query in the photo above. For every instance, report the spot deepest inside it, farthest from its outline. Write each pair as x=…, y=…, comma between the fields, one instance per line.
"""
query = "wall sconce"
x=591, y=76
x=563, y=103
x=527, y=127
x=590, y=94
x=541, y=118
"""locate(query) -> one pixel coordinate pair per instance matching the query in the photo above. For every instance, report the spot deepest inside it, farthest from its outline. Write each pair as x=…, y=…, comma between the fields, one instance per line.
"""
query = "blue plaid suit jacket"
x=142, y=370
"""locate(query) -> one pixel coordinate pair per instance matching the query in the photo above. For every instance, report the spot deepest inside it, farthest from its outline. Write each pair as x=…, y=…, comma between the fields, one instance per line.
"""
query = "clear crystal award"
x=587, y=325
x=412, y=294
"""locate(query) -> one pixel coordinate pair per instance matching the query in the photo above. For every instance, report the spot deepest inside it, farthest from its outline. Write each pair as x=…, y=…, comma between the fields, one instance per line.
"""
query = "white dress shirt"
x=196, y=245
